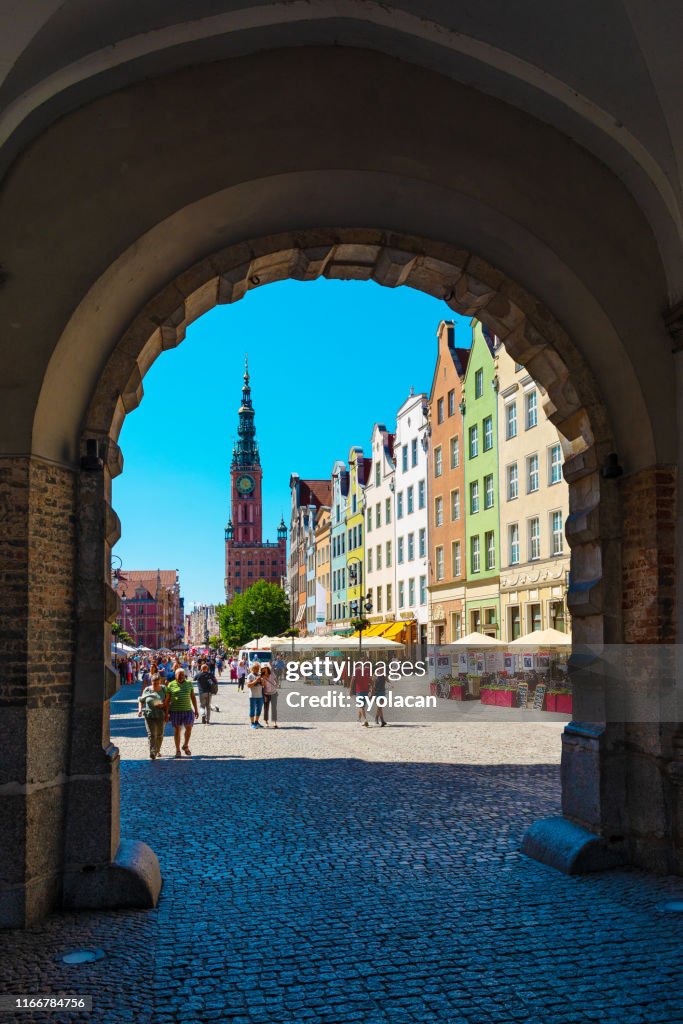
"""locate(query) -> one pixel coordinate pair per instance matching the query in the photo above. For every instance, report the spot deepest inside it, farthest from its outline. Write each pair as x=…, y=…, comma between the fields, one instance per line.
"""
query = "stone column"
x=37, y=578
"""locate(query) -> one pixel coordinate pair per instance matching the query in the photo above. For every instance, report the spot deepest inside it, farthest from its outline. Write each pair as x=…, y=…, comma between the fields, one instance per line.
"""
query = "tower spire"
x=245, y=452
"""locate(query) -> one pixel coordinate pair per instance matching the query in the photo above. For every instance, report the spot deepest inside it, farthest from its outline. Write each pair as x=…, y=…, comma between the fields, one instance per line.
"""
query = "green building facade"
x=481, y=499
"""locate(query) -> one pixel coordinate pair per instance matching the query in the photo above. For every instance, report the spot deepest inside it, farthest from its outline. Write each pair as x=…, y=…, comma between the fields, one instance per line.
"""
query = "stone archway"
x=592, y=835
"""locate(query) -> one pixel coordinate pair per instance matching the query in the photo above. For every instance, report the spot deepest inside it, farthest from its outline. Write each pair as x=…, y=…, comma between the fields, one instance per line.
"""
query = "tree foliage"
x=121, y=636
x=262, y=610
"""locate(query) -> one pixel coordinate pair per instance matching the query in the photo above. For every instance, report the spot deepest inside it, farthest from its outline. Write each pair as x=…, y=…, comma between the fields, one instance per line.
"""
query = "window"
x=399, y=505
x=404, y=458
x=475, y=555
x=378, y=514
x=439, y=563
x=512, y=481
x=411, y=547
x=555, y=464
x=410, y=501
x=378, y=556
x=438, y=511
x=421, y=494
x=401, y=594
x=510, y=420
x=479, y=384
x=455, y=452
x=413, y=452
x=451, y=403
x=455, y=505
x=360, y=534
x=534, y=538
x=490, y=543
x=557, y=533
x=399, y=551
x=488, y=433
x=532, y=474
x=438, y=461
x=369, y=559
x=515, y=622
x=354, y=503
x=423, y=590
x=351, y=544
x=422, y=544
x=475, y=620
x=439, y=410
x=456, y=626
x=531, y=402
x=474, y=497
x=534, y=618
x=379, y=599
x=455, y=558
x=474, y=441
x=557, y=616
x=389, y=596
x=378, y=474
x=488, y=491
x=388, y=559
x=387, y=511
x=369, y=519
x=513, y=544
x=411, y=591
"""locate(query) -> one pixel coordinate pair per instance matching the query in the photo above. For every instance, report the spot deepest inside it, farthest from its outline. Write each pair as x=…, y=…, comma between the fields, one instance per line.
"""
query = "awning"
x=301, y=614
x=395, y=630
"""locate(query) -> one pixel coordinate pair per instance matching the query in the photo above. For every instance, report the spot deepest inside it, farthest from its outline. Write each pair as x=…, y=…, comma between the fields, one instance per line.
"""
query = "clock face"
x=245, y=483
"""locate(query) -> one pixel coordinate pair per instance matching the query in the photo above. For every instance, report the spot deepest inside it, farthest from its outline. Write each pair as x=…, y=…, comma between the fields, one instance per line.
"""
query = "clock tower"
x=247, y=558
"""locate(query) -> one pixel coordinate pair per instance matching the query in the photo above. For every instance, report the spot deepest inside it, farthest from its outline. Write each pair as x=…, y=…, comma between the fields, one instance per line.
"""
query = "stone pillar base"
x=131, y=880
x=570, y=848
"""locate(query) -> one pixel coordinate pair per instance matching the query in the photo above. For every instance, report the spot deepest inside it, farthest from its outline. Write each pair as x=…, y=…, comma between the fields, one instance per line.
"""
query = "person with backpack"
x=207, y=685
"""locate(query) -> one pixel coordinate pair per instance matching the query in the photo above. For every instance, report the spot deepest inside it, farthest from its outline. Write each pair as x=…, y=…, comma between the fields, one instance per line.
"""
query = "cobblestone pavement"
x=330, y=874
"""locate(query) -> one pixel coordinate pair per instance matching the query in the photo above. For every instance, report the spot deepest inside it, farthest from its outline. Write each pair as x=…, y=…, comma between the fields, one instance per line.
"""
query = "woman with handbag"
x=271, y=685
x=207, y=684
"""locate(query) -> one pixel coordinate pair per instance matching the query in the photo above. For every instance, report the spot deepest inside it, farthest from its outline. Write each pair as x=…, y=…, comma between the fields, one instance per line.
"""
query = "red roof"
x=131, y=580
x=315, y=492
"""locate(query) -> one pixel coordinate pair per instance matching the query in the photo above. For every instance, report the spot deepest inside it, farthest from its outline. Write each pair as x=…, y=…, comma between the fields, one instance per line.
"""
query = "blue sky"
x=327, y=359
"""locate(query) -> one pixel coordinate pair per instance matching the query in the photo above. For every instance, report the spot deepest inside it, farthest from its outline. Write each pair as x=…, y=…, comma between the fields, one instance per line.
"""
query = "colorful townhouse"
x=323, y=609
x=359, y=468
x=534, y=504
x=446, y=490
x=411, y=446
x=307, y=496
x=380, y=570
x=480, y=420
x=339, y=618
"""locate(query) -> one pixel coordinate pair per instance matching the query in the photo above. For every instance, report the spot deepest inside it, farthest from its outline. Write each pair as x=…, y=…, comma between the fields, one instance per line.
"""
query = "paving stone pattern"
x=331, y=874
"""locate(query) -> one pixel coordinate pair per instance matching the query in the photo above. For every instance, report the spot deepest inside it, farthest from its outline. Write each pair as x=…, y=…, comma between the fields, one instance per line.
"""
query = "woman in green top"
x=181, y=709
x=151, y=708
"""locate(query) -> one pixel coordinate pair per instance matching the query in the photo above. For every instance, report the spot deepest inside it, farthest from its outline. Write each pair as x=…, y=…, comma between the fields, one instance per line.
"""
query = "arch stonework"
x=600, y=826
x=622, y=799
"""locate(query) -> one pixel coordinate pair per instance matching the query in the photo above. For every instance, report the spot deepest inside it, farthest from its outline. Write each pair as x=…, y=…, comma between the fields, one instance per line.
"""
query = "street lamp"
x=360, y=606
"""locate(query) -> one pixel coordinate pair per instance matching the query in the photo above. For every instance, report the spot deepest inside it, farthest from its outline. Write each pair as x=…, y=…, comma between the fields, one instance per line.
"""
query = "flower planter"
x=559, y=702
x=457, y=691
x=432, y=689
x=564, y=703
x=499, y=698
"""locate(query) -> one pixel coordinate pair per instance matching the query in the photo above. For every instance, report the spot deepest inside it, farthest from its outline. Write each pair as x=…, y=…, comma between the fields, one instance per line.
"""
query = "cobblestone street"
x=334, y=874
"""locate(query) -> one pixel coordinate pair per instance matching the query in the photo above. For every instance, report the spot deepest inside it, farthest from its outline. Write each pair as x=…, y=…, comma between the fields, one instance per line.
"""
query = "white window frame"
x=512, y=481
x=510, y=420
x=532, y=474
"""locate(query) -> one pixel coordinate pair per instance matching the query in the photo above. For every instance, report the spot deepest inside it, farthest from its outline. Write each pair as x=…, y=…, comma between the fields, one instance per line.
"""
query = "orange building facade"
x=446, y=492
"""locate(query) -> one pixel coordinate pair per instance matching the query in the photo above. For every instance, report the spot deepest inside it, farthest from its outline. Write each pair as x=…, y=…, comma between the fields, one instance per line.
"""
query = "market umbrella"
x=476, y=640
x=543, y=638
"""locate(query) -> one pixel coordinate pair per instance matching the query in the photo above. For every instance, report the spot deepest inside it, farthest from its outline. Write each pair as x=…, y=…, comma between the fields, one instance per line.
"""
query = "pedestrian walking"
x=378, y=690
x=271, y=686
x=242, y=670
x=360, y=690
x=255, y=695
x=181, y=709
x=151, y=709
x=233, y=670
x=207, y=684
x=279, y=669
